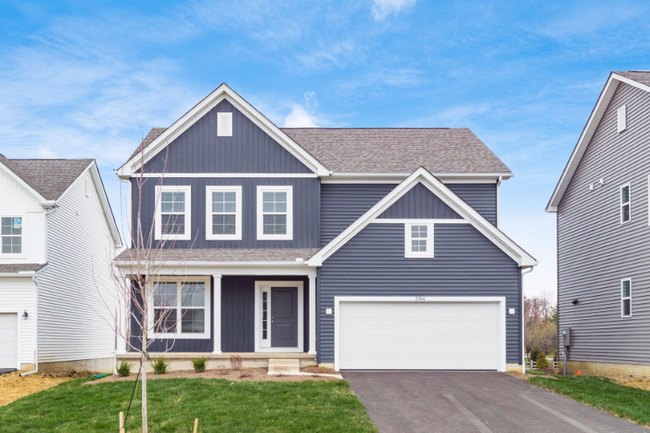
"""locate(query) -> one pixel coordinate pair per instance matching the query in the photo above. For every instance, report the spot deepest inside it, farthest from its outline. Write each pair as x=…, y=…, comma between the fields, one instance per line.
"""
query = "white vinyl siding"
x=626, y=203
x=418, y=240
x=224, y=124
x=223, y=212
x=16, y=297
x=626, y=298
x=621, y=118
x=274, y=212
x=173, y=212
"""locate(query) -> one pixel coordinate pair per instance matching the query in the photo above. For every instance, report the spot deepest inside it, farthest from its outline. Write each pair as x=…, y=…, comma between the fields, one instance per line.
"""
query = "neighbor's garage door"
x=8, y=340
x=419, y=335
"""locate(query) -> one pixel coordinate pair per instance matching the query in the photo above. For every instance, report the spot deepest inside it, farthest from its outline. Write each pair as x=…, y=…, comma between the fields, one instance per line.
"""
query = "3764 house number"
x=419, y=299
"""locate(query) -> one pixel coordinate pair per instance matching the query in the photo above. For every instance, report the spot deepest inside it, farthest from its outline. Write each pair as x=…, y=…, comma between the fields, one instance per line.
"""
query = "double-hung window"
x=626, y=203
x=11, y=232
x=181, y=308
x=626, y=298
x=274, y=212
x=224, y=215
x=418, y=240
x=173, y=216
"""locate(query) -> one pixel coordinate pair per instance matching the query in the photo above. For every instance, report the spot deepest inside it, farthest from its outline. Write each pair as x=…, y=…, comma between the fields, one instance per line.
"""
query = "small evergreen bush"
x=199, y=364
x=160, y=366
x=124, y=369
x=542, y=362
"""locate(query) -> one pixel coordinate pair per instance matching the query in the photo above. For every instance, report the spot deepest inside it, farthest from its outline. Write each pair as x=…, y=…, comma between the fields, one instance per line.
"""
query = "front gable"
x=420, y=202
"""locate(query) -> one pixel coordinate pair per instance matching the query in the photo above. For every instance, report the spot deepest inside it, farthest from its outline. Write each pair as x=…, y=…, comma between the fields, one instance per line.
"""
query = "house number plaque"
x=419, y=299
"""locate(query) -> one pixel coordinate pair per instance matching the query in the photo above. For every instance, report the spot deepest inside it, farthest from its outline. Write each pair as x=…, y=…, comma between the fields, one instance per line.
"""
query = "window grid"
x=626, y=203
x=173, y=219
x=274, y=213
x=418, y=239
x=180, y=308
x=11, y=232
x=626, y=298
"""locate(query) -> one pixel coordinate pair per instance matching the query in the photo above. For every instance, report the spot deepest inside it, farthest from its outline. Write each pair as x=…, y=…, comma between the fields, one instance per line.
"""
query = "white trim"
x=261, y=189
x=209, y=235
x=312, y=316
x=224, y=268
x=623, y=316
x=408, y=248
x=422, y=176
x=18, y=314
x=350, y=177
x=187, y=235
x=23, y=244
x=224, y=124
x=501, y=300
x=621, y=204
x=263, y=285
x=621, y=118
x=216, y=314
x=419, y=220
x=229, y=175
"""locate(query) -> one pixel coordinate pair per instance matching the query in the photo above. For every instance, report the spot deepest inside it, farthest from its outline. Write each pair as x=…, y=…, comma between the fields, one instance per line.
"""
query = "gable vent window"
x=626, y=203
x=418, y=240
x=621, y=118
x=224, y=124
x=626, y=298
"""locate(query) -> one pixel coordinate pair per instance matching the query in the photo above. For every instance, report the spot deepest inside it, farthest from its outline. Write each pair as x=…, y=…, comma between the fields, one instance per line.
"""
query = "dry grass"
x=318, y=370
x=635, y=382
x=13, y=387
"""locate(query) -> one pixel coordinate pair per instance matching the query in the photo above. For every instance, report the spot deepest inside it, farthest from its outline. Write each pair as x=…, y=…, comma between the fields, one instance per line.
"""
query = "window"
x=224, y=124
x=626, y=210
x=274, y=212
x=11, y=232
x=418, y=240
x=181, y=308
x=173, y=212
x=621, y=118
x=626, y=298
x=224, y=216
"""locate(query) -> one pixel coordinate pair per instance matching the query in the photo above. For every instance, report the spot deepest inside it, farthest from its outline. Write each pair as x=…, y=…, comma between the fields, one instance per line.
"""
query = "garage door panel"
x=8, y=340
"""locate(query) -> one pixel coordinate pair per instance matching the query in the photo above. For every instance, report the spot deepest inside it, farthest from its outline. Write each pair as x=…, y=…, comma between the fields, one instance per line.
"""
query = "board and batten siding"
x=596, y=251
x=16, y=296
x=419, y=202
x=76, y=292
x=249, y=150
x=342, y=204
x=373, y=264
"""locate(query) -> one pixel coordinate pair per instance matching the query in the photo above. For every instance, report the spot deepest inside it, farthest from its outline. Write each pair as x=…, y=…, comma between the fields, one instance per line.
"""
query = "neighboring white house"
x=57, y=239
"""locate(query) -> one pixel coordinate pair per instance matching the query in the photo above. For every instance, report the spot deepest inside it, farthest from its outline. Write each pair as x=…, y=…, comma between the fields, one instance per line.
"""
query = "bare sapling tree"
x=540, y=324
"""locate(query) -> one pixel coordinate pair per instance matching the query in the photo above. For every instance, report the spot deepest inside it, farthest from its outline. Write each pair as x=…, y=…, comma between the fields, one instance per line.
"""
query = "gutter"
x=498, y=207
x=523, y=328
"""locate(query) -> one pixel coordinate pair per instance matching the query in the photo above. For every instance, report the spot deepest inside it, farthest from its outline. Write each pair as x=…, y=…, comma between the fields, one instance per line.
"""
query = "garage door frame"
x=18, y=333
x=500, y=300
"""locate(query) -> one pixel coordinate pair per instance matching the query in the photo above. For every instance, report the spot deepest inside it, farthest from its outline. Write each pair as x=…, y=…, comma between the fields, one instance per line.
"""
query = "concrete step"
x=284, y=366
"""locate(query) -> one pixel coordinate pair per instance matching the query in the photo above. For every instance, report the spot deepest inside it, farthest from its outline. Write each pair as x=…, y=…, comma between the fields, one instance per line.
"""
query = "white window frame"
x=261, y=189
x=188, y=212
x=408, y=249
x=209, y=235
x=23, y=244
x=221, y=116
x=629, y=202
x=178, y=334
x=621, y=118
x=626, y=298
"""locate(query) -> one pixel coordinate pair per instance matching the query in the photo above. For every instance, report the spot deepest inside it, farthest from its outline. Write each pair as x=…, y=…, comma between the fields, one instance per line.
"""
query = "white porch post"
x=312, y=315
x=216, y=314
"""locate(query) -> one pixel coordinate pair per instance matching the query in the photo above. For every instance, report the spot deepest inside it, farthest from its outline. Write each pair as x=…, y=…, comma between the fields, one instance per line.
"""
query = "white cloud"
x=339, y=55
x=302, y=116
x=382, y=8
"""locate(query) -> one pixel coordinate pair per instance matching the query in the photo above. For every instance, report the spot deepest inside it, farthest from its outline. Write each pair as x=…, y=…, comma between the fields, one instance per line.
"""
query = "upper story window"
x=626, y=203
x=224, y=214
x=224, y=124
x=274, y=212
x=418, y=240
x=181, y=308
x=11, y=232
x=621, y=118
x=626, y=298
x=173, y=215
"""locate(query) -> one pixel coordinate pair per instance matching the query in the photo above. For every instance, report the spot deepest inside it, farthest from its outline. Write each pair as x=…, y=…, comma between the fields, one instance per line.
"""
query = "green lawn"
x=602, y=393
x=315, y=406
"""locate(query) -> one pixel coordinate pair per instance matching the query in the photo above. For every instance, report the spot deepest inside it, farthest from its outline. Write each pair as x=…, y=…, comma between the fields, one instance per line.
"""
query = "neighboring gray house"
x=373, y=248
x=603, y=233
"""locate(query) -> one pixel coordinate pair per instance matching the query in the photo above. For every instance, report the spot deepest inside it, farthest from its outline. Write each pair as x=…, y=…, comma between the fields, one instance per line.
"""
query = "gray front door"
x=284, y=317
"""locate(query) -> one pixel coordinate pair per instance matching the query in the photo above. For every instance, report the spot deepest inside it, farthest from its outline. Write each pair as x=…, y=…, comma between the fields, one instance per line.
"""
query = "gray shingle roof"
x=23, y=267
x=151, y=136
x=50, y=177
x=226, y=254
x=642, y=77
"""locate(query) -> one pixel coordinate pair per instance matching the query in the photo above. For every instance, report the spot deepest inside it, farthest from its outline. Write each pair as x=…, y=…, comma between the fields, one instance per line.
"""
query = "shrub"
x=160, y=366
x=124, y=369
x=542, y=362
x=236, y=362
x=199, y=364
x=222, y=369
x=534, y=353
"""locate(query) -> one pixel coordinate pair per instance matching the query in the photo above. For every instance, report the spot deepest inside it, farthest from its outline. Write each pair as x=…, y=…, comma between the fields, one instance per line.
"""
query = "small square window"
x=418, y=240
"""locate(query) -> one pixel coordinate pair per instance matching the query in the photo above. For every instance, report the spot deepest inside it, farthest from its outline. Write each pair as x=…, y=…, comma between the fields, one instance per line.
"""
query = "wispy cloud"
x=304, y=115
x=382, y=8
x=338, y=55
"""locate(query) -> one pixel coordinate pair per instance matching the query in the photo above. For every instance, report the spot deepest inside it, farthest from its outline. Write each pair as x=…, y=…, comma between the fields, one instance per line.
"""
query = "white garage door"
x=419, y=335
x=8, y=340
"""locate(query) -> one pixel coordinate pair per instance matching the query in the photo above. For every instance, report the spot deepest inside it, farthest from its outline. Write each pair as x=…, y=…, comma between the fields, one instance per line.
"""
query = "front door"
x=284, y=317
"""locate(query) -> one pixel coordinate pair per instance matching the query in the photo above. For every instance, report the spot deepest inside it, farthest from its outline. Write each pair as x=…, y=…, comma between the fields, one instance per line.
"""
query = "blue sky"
x=80, y=79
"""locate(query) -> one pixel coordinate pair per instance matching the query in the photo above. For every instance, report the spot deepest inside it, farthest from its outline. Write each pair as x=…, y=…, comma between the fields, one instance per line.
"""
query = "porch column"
x=312, y=315
x=216, y=314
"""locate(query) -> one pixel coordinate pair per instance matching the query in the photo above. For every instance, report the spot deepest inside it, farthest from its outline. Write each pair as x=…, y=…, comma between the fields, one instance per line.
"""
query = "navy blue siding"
x=249, y=150
x=306, y=211
x=481, y=196
x=373, y=264
x=419, y=202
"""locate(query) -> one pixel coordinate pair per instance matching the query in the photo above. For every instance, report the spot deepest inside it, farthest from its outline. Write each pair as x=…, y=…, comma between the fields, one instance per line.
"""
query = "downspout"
x=35, y=329
x=523, y=323
x=498, y=210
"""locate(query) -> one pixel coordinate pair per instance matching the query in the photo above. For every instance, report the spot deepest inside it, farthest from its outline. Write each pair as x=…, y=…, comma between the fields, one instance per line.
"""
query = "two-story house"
x=603, y=231
x=57, y=240
x=356, y=248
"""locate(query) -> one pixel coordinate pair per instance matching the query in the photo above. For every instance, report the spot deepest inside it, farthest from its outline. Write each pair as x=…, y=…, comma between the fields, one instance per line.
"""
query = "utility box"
x=566, y=337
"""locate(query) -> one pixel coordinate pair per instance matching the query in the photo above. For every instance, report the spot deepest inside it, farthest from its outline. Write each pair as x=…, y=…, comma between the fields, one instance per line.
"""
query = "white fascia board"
x=348, y=177
x=199, y=110
x=27, y=186
x=448, y=197
x=587, y=133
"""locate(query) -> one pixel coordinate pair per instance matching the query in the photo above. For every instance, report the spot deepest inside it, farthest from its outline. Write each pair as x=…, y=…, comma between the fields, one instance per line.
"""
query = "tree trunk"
x=145, y=427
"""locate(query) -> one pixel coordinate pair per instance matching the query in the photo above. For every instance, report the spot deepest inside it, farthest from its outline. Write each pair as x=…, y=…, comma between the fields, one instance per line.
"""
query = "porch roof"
x=20, y=267
x=222, y=254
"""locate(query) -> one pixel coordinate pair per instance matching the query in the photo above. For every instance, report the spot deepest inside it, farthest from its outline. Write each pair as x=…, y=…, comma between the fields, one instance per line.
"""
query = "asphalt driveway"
x=473, y=402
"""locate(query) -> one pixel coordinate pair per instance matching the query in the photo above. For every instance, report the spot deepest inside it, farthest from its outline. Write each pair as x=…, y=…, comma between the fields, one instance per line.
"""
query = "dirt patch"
x=636, y=382
x=13, y=387
x=251, y=374
x=527, y=376
x=318, y=370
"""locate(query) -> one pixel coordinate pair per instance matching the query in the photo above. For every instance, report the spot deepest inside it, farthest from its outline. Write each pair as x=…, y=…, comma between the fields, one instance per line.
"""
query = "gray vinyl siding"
x=306, y=211
x=249, y=150
x=342, y=204
x=419, y=202
x=373, y=264
x=595, y=251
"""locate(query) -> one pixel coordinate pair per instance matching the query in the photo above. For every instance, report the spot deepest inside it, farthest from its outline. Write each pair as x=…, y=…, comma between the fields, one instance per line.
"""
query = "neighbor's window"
x=224, y=216
x=180, y=309
x=274, y=212
x=11, y=231
x=418, y=240
x=626, y=298
x=626, y=211
x=173, y=212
